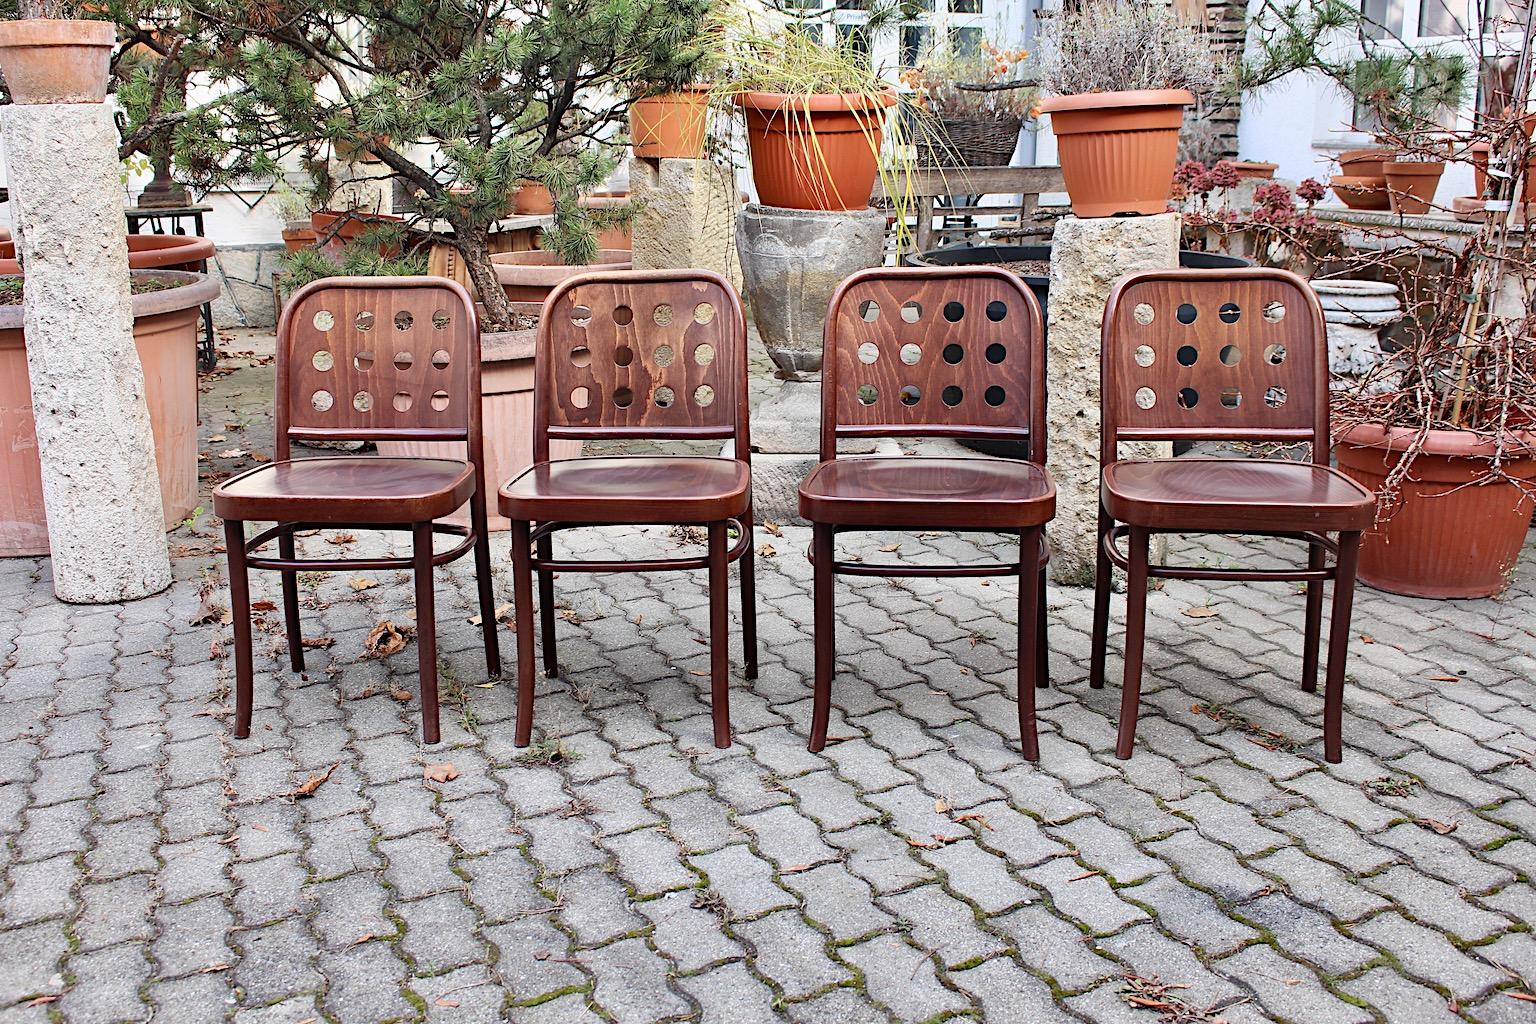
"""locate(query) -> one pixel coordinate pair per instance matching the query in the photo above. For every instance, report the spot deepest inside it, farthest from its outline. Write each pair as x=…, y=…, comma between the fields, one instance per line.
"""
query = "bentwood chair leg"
x=426, y=628
x=1029, y=639
x=522, y=604
x=825, y=638
x=1312, y=642
x=485, y=581
x=1042, y=648
x=287, y=549
x=240, y=611
x=1338, y=646
x=720, y=633
x=1103, y=586
x=1135, y=641
x=546, y=550
x=749, y=597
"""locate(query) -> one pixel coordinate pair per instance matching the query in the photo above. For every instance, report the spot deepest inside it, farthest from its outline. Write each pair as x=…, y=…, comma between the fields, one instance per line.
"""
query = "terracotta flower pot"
x=533, y=197
x=1118, y=149
x=530, y=276
x=618, y=236
x=1359, y=192
x=1447, y=539
x=1364, y=163
x=341, y=227
x=1255, y=169
x=815, y=152
x=670, y=125
x=145, y=252
x=56, y=61
x=165, y=332
x=1479, y=161
x=1412, y=183
x=297, y=239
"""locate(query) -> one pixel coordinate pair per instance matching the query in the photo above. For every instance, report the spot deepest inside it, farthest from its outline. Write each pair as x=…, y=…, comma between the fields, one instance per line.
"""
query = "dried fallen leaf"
x=42, y=1001
x=318, y=643
x=444, y=772
x=1205, y=612
x=214, y=968
x=262, y=606
x=341, y=538
x=217, y=439
x=1366, y=638
x=401, y=694
x=940, y=807
x=446, y=1003
x=1443, y=828
x=209, y=608
x=773, y=528
x=503, y=613
x=1524, y=997
x=233, y=453
x=767, y=550
x=1446, y=679
x=891, y=547
x=364, y=583
x=314, y=782
x=974, y=816
x=385, y=639
x=1085, y=874
x=367, y=937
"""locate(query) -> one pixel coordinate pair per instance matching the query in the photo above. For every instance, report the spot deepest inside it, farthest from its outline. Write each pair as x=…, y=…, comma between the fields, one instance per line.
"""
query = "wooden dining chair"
x=1222, y=355
x=657, y=354
x=366, y=359
x=935, y=352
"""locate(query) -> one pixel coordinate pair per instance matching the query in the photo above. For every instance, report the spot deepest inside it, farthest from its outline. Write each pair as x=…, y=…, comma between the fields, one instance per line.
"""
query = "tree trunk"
x=476, y=250
x=45, y=9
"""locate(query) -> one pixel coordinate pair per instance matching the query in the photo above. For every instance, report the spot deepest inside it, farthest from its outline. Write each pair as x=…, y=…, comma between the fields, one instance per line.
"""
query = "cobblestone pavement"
x=625, y=870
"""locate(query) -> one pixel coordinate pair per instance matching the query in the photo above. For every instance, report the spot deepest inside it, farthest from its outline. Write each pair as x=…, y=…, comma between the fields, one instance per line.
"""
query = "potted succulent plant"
x=1118, y=76
x=979, y=99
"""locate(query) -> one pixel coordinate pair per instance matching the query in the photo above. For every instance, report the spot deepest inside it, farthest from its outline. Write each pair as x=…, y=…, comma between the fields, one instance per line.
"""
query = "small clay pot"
x=670, y=125
x=1255, y=169
x=1361, y=193
x=1412, y=184
x=533, y=197
x=56, y=61
x=1364, y=163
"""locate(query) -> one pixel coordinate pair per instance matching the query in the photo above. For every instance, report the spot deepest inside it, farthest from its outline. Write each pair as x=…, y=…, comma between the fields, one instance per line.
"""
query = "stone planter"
x=506, y=419
x=530, y=276
x=165, y=327
x=1356, y=312
x=792, y=260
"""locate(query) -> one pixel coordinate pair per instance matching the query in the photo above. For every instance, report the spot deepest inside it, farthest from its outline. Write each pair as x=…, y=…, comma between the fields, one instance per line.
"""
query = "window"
x=1436, y=18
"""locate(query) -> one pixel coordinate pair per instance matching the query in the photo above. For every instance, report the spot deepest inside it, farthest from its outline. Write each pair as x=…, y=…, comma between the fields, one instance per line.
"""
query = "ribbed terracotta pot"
x=1449, y=538
x=56, y=61
x=145, y=252
x=815, y=152
x=1412, y=183
x=670, y=125
x=1118, y=149
x=530, y=276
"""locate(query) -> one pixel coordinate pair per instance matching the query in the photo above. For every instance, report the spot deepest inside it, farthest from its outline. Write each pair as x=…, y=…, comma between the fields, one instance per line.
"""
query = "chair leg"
x=749, y=598
x=1135, y=639
x=1042, y=647
x=288, y=550
x=1103, y=586
x=1312, y=642
x=546, y=549
x=1029, y=639
x=490, y=629
x=240, y=611
x=522, y=604
x=1338, y=646
x=825, y=638
x=720, y=633
x=426, y=628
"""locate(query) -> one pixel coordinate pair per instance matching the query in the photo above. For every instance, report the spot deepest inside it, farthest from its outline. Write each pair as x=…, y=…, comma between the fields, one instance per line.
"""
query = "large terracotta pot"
x=299, y=239
x=670, y=125
x=1412, y=183
x=617, y=236
x=533, y=197
x=165, y=329
x=1479, y=155
x=1118, y=149
x=56, y=61
x=341, y=227
x=815, y=152
x=1361, y=191
x=530, y=276
x=1447, y=539
x=1365, y=163
x=145, y=252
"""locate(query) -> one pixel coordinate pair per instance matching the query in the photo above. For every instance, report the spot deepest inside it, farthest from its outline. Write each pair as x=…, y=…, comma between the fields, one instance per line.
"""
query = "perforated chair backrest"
x=1217, y=355
x=658, y=354
x=370, y=358
x=938, y=352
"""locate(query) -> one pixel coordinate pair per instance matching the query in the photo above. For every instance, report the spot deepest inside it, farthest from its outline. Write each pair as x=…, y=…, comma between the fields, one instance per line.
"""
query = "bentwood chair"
x=637, y=354
x=375, y=359
x=936, y=353
x=1238, y=355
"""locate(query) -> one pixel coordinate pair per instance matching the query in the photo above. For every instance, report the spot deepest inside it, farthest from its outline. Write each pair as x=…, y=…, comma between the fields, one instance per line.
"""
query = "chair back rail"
x=657, y=354
x=1214, y=355
x=933, y=352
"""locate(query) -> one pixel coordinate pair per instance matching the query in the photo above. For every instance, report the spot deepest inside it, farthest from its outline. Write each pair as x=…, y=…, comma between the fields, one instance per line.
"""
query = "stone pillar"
x=1087, y=258
x=685, y=216
x=101, y=491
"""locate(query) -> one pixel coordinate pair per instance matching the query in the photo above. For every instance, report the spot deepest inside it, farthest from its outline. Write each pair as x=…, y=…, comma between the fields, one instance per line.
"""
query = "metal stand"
x=167, y=220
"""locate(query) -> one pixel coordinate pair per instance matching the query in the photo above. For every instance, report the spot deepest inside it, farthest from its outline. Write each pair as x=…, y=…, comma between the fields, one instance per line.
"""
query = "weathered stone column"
x=685, y=216
x=1087, y=257
x=100, y=487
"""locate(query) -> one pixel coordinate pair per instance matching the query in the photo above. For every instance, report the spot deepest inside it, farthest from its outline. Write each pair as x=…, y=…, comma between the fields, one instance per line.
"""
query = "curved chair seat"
x=631, y=489
x=351, y=489
x=943, y=493
x=1240, y=495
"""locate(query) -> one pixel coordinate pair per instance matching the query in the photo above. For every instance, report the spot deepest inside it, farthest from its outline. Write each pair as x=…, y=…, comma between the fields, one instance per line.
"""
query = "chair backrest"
x=937, y=352
x=658, y=354
x=1214, y=354
x=379, y=358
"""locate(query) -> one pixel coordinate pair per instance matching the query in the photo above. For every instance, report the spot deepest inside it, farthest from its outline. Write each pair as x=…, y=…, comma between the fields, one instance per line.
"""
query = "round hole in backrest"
x=869, y=311
x=441, y=319
x=869, y=352
x=953, y=354
x=1144, y=355
x=912, y=311
x=581, y=315
x=1274, y=355
x=362, y=362
x=952, y=395
x=404, y=320
x=868, y=394
x=1231, y=355
x=439, y=401
x=1274, y=397
x=1187, y=314
x=954, y=311
x=997, y=310
x=581, y=397
x=623, y=398
x=1146, y=398
x=1229, y=313
x=623, y=355
x=911, y=354
x=703, y=313
x=997, y=352
x=911, y=394
x=994, y=396
x=403, y=401
x=364, y=321
x=324, y=320
x=704, y=354
x=1144, y=314
x=664, y=397
x=623, y=316
x=1188, y=398
x=703, y=395
x=1187, y=355
x=581, y=356
x=1231, y=398
x=1274, y=312
x=404, y=360
x=664, y=355
x=441, y=358
x=322, y=401
x=662, y=314
x=362, y=402
x=322, y=360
